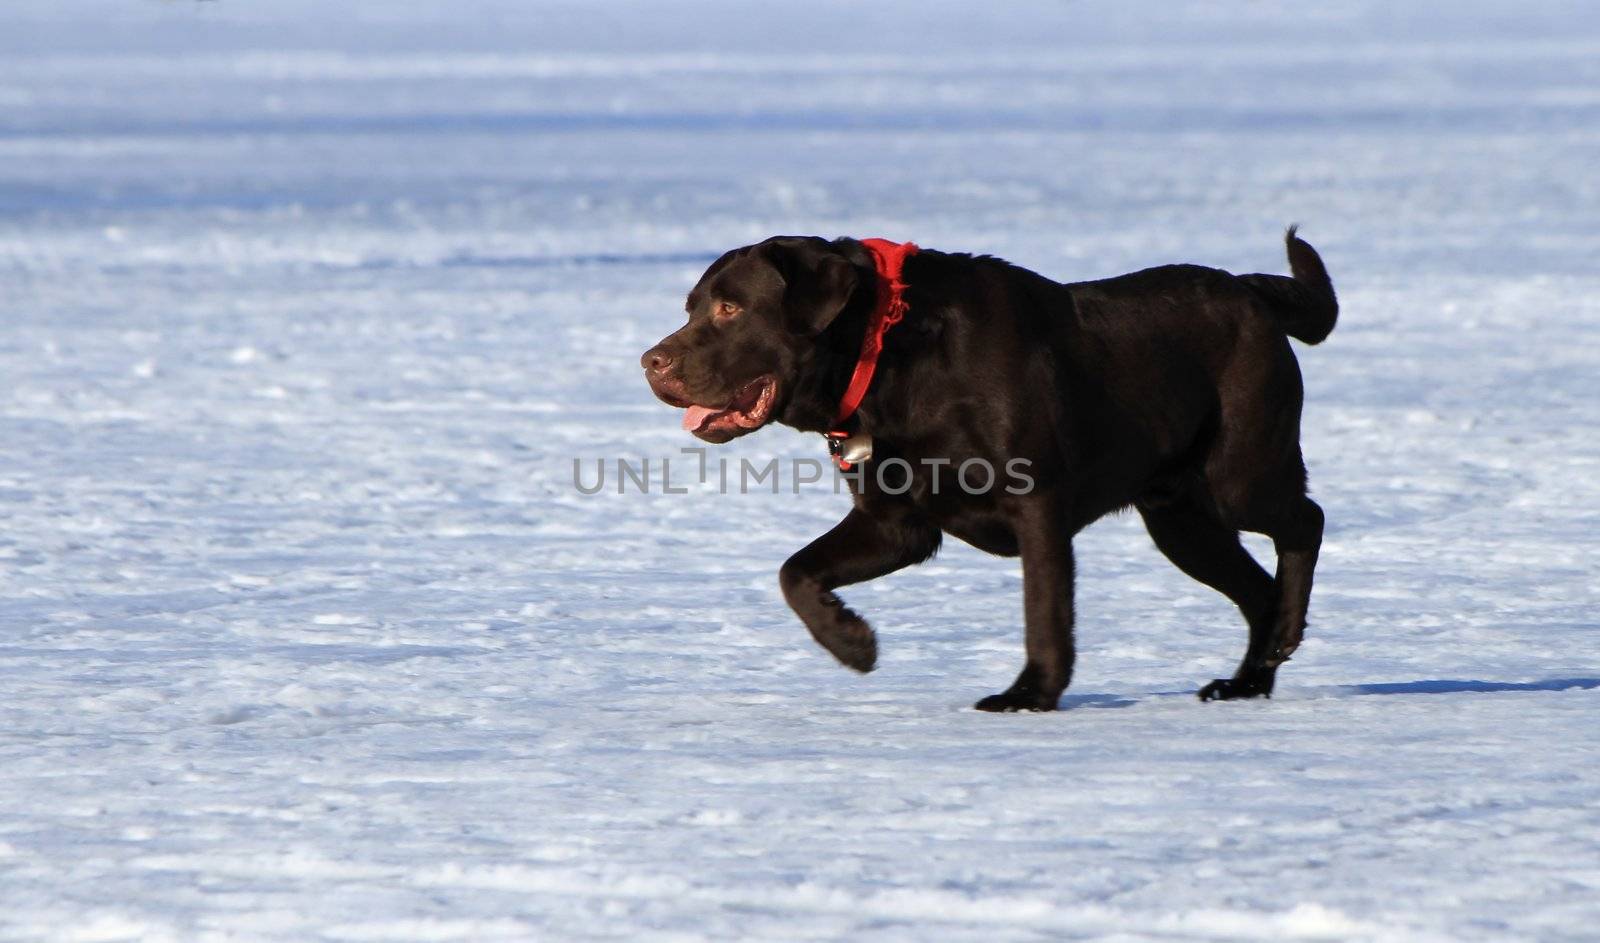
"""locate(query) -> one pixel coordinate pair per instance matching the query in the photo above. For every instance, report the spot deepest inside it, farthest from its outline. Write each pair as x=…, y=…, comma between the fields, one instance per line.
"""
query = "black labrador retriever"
x=1172, y=390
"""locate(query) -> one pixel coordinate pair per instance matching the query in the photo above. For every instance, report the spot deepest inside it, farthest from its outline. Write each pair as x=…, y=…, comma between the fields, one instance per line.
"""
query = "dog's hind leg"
x=1294, y=522
x=859, y=548
x=1296, y=532
x=1255, y=480
x=1209, y=551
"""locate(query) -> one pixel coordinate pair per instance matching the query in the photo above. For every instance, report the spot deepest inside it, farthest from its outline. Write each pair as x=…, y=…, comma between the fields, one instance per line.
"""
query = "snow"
x=306, y=634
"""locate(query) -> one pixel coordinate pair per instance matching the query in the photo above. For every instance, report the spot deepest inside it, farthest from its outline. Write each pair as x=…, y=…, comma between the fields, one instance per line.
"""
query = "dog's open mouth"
x=749, y=409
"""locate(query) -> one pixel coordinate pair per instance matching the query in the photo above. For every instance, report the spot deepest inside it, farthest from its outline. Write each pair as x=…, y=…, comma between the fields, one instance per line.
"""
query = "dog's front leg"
x=1045, y=544
x=861, y=547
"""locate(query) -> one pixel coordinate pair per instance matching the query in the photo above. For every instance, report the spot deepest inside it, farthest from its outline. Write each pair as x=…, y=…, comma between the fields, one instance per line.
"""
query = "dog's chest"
x=960, y=497
x=985, y=529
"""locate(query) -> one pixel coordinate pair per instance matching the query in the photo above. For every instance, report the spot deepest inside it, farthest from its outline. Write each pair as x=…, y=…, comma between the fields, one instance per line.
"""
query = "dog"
x=1172, y=390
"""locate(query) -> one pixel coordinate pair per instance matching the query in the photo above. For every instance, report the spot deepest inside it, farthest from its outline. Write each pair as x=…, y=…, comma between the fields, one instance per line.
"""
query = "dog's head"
x=754, y=317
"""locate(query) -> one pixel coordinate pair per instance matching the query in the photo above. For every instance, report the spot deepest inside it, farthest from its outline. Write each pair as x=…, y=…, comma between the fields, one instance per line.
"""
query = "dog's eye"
x=726, y=310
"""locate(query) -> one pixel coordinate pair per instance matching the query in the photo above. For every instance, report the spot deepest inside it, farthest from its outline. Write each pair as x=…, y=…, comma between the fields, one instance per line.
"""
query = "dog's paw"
x=1233, y=689
x=1012, y=701
x=852, y=641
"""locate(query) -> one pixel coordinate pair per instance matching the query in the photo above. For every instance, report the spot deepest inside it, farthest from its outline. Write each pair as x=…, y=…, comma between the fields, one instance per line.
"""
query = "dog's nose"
x=656, y=359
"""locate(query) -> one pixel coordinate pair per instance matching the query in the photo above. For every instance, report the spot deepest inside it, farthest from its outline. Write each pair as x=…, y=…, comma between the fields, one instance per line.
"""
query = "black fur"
x=1172, y=390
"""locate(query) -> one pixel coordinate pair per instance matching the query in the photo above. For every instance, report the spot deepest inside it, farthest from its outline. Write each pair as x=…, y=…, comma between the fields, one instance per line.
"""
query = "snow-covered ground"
x=306, y=309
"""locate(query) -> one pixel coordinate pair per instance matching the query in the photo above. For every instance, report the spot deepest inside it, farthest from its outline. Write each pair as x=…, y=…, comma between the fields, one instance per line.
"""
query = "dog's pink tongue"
x=695, y=416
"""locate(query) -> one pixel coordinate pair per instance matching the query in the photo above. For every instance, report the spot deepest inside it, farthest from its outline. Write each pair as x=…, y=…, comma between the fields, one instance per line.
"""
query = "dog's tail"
x=1305, y=305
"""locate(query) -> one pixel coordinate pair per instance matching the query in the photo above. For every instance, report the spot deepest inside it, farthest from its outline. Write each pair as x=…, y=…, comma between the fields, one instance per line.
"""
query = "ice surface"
x=305, y=632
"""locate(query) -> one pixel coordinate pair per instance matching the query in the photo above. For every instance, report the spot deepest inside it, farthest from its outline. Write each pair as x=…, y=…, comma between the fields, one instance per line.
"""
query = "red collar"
x=889, y=259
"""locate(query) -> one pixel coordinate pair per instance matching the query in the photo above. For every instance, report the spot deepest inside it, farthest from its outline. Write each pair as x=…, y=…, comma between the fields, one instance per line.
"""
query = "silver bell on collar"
x=848, y=450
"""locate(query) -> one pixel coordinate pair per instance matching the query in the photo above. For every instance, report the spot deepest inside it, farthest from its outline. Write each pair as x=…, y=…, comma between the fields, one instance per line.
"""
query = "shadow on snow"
x=1470, y=687
x=1428, y=686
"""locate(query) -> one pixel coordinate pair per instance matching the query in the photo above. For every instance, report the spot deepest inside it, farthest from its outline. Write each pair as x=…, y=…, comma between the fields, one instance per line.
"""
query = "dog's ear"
x=817, y=281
